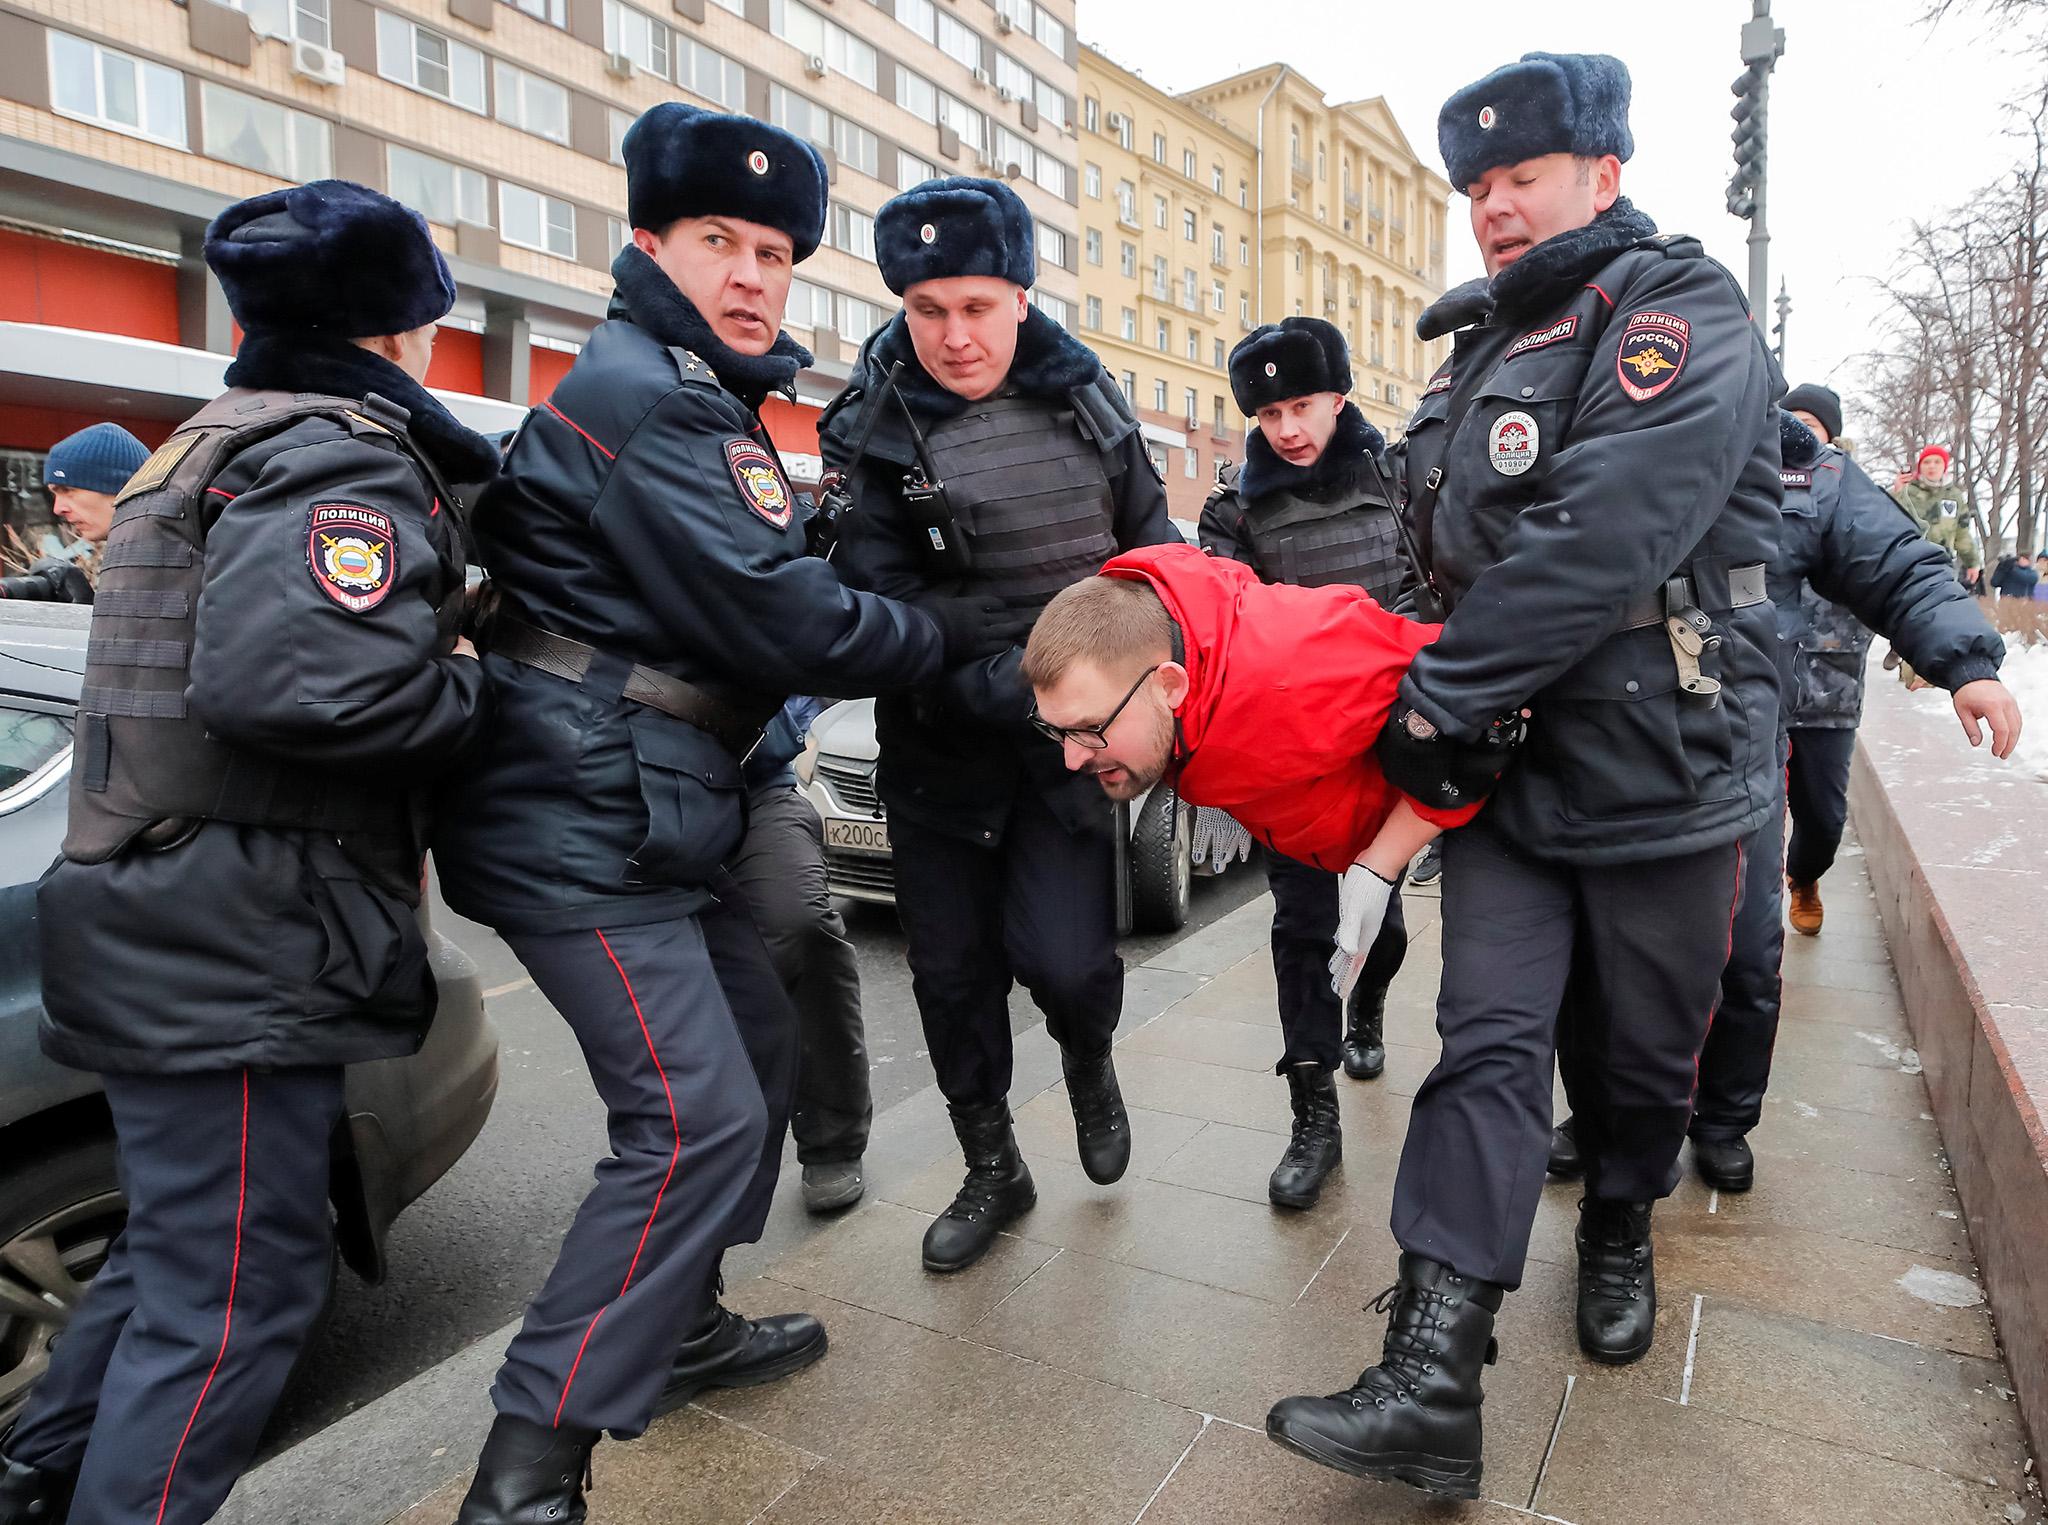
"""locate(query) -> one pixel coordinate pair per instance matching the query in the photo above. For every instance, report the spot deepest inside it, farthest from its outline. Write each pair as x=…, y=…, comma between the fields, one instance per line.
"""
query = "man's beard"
x=1138, y=777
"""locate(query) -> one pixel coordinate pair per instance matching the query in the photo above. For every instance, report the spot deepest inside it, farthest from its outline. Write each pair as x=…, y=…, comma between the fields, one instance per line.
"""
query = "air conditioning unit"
x=1013, y=170
x=1116, y=121
x=1003, y=22
x=619, y=65
x=983, y=162
x=321, y=65
x=815, y=66
x=1003, y=94
x=1193, y=423
x=981, y=79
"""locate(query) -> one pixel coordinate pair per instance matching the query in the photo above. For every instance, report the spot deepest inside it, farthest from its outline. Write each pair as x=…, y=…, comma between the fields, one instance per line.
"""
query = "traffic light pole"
x=1762, y=44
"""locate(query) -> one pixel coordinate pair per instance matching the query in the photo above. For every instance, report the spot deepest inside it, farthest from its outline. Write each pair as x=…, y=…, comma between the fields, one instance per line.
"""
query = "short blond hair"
x=1118, y=623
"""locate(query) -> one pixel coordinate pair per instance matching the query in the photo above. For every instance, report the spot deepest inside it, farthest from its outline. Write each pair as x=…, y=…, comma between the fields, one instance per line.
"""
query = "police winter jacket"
x=1311, y=525
x=643, y=512
x=1618, y=431
x=1050, y=479
x=1849, y=558
x=253, y=945
x=1288, y=689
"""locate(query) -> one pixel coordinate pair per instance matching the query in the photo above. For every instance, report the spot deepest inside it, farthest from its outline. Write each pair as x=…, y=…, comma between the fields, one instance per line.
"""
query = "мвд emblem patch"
x=759, y=481
x=352, y=552
x=1652, y=353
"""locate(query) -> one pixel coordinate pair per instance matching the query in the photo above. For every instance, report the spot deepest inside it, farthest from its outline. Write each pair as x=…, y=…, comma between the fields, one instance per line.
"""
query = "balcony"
x=1303, y=170
x=1376, y=212
x=1352, y=202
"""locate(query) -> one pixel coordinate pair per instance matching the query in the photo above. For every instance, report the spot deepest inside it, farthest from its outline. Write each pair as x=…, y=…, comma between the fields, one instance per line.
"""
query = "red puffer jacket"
x=1290, y=689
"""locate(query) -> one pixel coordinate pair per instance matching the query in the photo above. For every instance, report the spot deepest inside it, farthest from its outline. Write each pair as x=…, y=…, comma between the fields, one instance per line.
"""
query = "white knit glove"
x=1362, y=898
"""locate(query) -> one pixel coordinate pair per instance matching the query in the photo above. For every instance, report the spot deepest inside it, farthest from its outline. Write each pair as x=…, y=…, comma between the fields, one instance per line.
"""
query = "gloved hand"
x=976, y=625
x=1362, y=897
x=1440, y=770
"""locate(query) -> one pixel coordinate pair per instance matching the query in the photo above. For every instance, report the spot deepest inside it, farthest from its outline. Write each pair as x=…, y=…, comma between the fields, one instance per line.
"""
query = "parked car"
x=407, y=1120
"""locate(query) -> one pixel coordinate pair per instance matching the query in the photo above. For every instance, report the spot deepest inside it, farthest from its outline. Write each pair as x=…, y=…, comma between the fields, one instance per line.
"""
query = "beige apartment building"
x=1207, y=213
x=125, y=125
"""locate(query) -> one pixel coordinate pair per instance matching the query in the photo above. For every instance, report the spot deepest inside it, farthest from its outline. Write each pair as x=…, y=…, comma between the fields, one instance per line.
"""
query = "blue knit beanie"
x=99, y=459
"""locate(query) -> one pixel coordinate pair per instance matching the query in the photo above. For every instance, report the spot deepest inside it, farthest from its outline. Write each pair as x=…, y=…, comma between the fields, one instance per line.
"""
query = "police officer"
x=656, y=608
x=83, y=472
x=1594, y=478
x=780, y=873
x=1308, y=506
x=1001, y=459
x=273, y=678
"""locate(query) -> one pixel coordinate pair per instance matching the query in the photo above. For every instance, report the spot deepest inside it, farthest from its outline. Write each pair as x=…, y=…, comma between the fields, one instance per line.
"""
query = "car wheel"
x=60, y=1212
x=1162, y=863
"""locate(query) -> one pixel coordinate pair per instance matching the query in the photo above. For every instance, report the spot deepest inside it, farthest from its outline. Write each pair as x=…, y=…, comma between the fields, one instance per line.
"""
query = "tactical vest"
x=1348, y=538
x=145, y=768
x=1028, y=488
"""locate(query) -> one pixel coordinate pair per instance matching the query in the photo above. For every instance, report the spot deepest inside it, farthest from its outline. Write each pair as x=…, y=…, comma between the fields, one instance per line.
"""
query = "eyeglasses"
x=1093, y=737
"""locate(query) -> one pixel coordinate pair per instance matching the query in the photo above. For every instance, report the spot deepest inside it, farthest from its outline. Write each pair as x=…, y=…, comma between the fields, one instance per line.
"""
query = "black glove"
x=976, y=625
x=1439, y=770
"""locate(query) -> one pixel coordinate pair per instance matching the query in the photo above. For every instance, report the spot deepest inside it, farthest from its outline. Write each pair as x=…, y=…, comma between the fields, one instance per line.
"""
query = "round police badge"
x=757, y=162
x=928, y=234
x=1487, y=117
x=1512, y=443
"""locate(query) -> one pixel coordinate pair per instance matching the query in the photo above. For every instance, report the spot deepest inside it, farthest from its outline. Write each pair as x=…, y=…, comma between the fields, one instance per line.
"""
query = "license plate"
x=858, y=836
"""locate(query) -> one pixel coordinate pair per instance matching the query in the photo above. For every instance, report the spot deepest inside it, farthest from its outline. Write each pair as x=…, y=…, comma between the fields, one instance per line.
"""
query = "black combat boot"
x=1365, y=1047
x=1617, y=1281
x=34, y=1495
x=1414, y=1418
x=1102, y=1129
x=1725, y=1163
x=529, y=1474
x=996, y=1193
x=1318, y=1141
x=730, y=1351
x=1566, y=1163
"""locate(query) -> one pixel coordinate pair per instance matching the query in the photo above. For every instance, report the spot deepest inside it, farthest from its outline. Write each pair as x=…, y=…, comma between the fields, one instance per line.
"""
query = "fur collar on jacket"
x=647, y=298
x=1559, y=266
x=1264, y=471
x=1049, y=364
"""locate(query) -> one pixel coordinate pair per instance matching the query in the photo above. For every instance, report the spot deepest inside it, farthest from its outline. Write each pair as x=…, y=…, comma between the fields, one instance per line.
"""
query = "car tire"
x=1162, y=859
x=60, y=1212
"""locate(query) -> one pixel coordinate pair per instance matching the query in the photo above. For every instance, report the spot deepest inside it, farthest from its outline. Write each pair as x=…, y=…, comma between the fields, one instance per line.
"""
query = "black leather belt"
x=735, y=724
x=1734, y=588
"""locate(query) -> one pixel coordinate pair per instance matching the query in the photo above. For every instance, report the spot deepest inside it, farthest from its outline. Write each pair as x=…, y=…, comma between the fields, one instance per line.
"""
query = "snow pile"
x=2026, y=673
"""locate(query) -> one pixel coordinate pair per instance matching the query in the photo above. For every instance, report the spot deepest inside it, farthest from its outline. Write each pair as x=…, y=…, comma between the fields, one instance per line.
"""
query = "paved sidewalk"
x=1823, y=1352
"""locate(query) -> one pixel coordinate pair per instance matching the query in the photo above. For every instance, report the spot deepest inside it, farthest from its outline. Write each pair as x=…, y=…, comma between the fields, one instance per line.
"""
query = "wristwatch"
x=1418, y=727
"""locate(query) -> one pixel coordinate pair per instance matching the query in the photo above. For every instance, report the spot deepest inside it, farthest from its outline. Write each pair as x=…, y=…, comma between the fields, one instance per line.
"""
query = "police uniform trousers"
x=691, y=1043
x=780, y=872
x=1039, y=909
x=1817, y=788
x=162, y=1383
x=1635, y=952
x=1304, y=941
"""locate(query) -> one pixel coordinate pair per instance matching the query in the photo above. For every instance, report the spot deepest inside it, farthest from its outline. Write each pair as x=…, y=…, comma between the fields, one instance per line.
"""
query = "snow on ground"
x=2026, y=674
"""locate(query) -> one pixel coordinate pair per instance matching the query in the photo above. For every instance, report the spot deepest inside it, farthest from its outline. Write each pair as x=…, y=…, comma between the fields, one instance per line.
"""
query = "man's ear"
x=1023, y=304
x=1174, y=683
x=1606, y=182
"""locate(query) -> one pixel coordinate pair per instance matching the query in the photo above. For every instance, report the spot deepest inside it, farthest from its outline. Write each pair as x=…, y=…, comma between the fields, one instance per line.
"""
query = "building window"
x=1194, y=346
x=1219, y=361
x=1059, y=309
x=1393, y=394
x=1093, y=310
x=533, y=221
x=1053, y=244
x=1244, y=251
x=1244, y=309
x=616, y=124
x=1130, y=324
x=96, y=84
x=1244, y=193
x=641, y=38
x=1163, y=342
x=1322, y=163
x=439, y=191
x=1187, y=224
x=1123, y=132
x=264, y=136
x=1216, y=178
x=853, y=231
x=1128, y=380
x=305, y=20
x=1127, y=203
x=857, y=148
x=1216, y=425
x=1216, y=295
x=1216, y=243
x=911, y=170
x=423, y=60
x=715, y=77
x=1159, y=398
x=958, y=41
x=1159, y=276
x=1159, y=210
x=1091, y=113
x=1158, y=148
x=553, y=12
x=1187, y=162
x=1127, y=261
x=1092, y=240
x=808, y=32
x=530, y=103
x=1091, y=181
x=1190, y=462
x=1188, y=296
x=616, y=234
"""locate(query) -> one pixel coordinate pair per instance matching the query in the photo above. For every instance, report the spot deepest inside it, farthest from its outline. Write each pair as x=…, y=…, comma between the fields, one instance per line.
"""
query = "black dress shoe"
x=998, y=1189
x=1414, y=1418
x=34, y=1495
x=529, y=1474
x=1565, y=1161
x=1365, y=1048
x=1617, y=1281
x=1317, y=1143
x=730, y=1351
x=1724, y=1163
x=1102, y=1129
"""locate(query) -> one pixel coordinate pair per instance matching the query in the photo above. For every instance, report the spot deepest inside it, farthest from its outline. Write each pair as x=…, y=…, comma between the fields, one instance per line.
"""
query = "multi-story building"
x=1207, y=213
x=125, y=125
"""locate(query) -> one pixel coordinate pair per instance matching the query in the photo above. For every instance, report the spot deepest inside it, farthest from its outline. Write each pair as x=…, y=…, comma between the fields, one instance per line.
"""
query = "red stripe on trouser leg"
x=228, y=1321
x=675, y=1153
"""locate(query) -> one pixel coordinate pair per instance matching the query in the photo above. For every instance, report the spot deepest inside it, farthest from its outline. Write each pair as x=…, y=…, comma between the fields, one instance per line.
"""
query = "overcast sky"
x=1875, y=118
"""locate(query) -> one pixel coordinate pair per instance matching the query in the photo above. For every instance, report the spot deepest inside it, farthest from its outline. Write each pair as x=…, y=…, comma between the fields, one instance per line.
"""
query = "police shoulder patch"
x=352, y=552
x=760, y=481
x=1652, y=353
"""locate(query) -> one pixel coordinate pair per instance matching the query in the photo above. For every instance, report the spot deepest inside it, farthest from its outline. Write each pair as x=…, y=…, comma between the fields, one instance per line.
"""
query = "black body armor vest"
x=1348, y=537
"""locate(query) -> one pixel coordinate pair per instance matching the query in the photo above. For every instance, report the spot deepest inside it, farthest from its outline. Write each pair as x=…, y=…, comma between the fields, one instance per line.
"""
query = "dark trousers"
x=1817, y=791
x=160, y=1388
x=1735, y=1062
x=1636, y=952
x=1038, y=909
x=1304, y=940
x=691, y=1043
x=780, y=872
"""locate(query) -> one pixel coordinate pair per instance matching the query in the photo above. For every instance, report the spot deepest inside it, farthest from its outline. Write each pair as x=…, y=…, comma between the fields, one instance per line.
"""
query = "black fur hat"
x=1548, y=103
x=955, y=226
x=329, y=256
x=682, y=161
x=1291, y=358
x=1820, y=402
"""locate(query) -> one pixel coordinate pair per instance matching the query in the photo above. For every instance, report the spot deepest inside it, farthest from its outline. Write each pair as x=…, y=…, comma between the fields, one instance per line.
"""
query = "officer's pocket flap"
x=1630, y=665
x=691, y=787
x=1546, y=376
x=664, y=742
